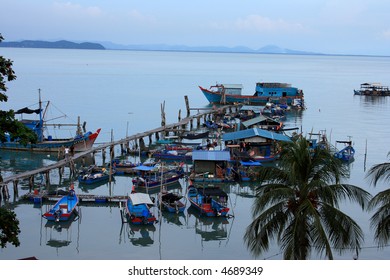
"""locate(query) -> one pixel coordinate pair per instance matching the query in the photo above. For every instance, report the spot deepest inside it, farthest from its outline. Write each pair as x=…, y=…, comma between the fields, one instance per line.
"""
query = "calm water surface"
x=122, y=92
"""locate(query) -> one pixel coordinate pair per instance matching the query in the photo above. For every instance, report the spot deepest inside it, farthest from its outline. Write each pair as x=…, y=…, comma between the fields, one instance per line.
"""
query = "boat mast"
x=40, y=131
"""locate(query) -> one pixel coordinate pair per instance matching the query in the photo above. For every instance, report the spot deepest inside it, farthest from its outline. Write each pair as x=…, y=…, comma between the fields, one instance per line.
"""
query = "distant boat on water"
x=46, y=143
x=276, y=93
x=373, y=89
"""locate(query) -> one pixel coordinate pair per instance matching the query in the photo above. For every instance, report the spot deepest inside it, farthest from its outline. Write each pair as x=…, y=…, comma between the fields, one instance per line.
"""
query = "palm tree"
x=380, y=221
x=297, y=205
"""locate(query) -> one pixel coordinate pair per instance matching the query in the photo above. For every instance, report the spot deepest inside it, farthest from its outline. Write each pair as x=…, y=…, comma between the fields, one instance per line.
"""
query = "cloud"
x=259, y=24
x=70, y=9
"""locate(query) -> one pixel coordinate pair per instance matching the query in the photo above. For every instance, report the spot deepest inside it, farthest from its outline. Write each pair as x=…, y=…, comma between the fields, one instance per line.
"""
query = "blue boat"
x=171, y=202
x=152, y=177
x=94, y=175
x=46, y=143
x=276, y=93
x=137, y=210
x=347, y=154
x=209, y=201
x=64, y=209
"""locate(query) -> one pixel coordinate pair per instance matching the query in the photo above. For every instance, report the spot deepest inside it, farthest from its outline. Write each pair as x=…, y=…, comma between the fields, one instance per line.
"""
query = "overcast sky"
x=325, y=26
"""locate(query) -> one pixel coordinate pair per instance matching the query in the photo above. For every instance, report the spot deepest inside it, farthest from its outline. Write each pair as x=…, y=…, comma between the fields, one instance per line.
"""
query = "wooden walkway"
x=162, y=129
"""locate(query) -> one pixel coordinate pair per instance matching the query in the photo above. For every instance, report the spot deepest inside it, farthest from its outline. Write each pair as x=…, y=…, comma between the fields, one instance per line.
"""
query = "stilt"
x=47, y=176
x=31, y=183
x=187, y=105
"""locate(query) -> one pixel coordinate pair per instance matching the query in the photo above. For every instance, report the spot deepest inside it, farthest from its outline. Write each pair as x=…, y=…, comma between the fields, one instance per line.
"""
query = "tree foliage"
x=297, y=205
x=380, y=220
x=8, y=123
x=9, y=228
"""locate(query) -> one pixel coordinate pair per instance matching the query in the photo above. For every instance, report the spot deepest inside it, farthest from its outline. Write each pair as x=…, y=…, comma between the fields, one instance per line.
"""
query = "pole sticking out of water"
x=365, y=156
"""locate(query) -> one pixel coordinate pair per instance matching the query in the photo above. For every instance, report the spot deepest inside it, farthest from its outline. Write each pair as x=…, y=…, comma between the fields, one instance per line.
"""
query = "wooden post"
x=31, y=183
x=163, y=121
x=16, y=191
x=187, y=105
x=179, y=117
x=47, y=178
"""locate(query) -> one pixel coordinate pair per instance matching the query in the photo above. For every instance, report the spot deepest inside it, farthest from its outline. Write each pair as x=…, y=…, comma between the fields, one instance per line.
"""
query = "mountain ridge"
x=65, y=44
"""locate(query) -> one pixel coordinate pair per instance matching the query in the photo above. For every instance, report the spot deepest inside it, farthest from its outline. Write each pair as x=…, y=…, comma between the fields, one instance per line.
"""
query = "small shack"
x=210, y=166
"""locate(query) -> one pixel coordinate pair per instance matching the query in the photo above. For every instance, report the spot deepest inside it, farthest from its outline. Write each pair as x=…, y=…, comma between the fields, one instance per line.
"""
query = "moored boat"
x=372, y=89
x=137, y=210
x=64, y=209
x=209, y=201
x=347, y=153
x=46, y=143
x=277, y=93
x=171, y=202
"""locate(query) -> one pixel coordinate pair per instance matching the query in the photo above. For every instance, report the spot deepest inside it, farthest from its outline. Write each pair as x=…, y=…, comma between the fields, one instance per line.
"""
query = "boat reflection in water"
x=139, y=235
x=209, y=228
x=59, y=234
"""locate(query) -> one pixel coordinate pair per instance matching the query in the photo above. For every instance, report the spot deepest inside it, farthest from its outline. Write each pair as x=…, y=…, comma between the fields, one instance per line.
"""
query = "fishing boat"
x=94, y=174
x=276, y=93
x=347, y=153
x=171, y=202
x=209, y=201
x=82, y=141
x=152, y=177
x=194, y=135
x=64, y=209
x=372, y=89
x=137, y=210
x=123, y=166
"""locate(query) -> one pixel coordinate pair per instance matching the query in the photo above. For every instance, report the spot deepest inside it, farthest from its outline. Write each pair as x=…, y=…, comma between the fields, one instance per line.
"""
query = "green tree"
x=8, y=123
x=9, y=224
x=9, y=228
x=297, y=204
x=380, y=221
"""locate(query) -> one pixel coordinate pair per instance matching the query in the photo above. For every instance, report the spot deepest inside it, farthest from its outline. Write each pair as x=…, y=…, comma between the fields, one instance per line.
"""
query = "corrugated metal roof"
x=210, y=155
x=253, y=121
x=257, y=120
x=253, y=132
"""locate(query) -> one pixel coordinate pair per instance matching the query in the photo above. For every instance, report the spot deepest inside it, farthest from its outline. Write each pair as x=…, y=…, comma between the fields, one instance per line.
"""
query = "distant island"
x=63, y=44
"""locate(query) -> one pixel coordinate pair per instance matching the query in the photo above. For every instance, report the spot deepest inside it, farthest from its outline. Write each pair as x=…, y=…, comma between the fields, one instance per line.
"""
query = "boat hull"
x=218, y=98
x=64, y=209
x=79, y=144
x=139, y=214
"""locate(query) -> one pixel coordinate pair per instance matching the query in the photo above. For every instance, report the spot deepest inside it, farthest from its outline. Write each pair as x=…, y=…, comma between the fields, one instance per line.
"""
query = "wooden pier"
x=163, y=130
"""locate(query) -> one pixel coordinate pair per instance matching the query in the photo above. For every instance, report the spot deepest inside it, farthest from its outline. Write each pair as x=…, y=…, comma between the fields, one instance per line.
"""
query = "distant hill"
x=63, y=44
x=269, y=49
x=52, y=45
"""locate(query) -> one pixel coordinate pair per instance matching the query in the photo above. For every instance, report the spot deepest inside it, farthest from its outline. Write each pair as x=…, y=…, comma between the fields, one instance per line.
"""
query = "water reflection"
x=138, y=235
x=59, y=234
x=209, y=228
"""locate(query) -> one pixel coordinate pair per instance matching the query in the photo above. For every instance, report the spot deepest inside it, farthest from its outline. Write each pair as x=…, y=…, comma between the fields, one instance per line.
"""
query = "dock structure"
x=163, y=130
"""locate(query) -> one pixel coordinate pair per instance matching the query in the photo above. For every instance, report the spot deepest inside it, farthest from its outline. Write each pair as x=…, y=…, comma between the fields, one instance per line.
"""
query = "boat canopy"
x=250, y=163
x=210, y=155
x=140, y=198
x=26, y=110
x=211, y=191
x=253, y=132
x=144, y=168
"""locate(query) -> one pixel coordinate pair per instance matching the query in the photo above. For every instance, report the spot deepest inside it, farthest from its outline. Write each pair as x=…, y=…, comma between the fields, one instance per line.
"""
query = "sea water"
x=123, y=93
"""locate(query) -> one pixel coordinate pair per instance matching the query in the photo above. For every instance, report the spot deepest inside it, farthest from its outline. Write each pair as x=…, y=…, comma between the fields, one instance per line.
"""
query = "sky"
x=356, y=27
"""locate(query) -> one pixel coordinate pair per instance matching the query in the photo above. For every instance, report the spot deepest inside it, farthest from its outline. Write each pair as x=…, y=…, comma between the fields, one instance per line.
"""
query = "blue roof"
x=211, y=155
x=253, y=132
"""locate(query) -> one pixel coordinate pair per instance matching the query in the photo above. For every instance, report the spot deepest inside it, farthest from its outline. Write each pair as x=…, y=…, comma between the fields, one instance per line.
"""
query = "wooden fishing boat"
x=94, y=175
x=194, y=135
x=347, y=153
x=372, y=89
x=171, y=202
x=209, y=201
x=277, y=93
x=137, y=210
x=82, y=141
x=64, y=209
x=152, y=177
